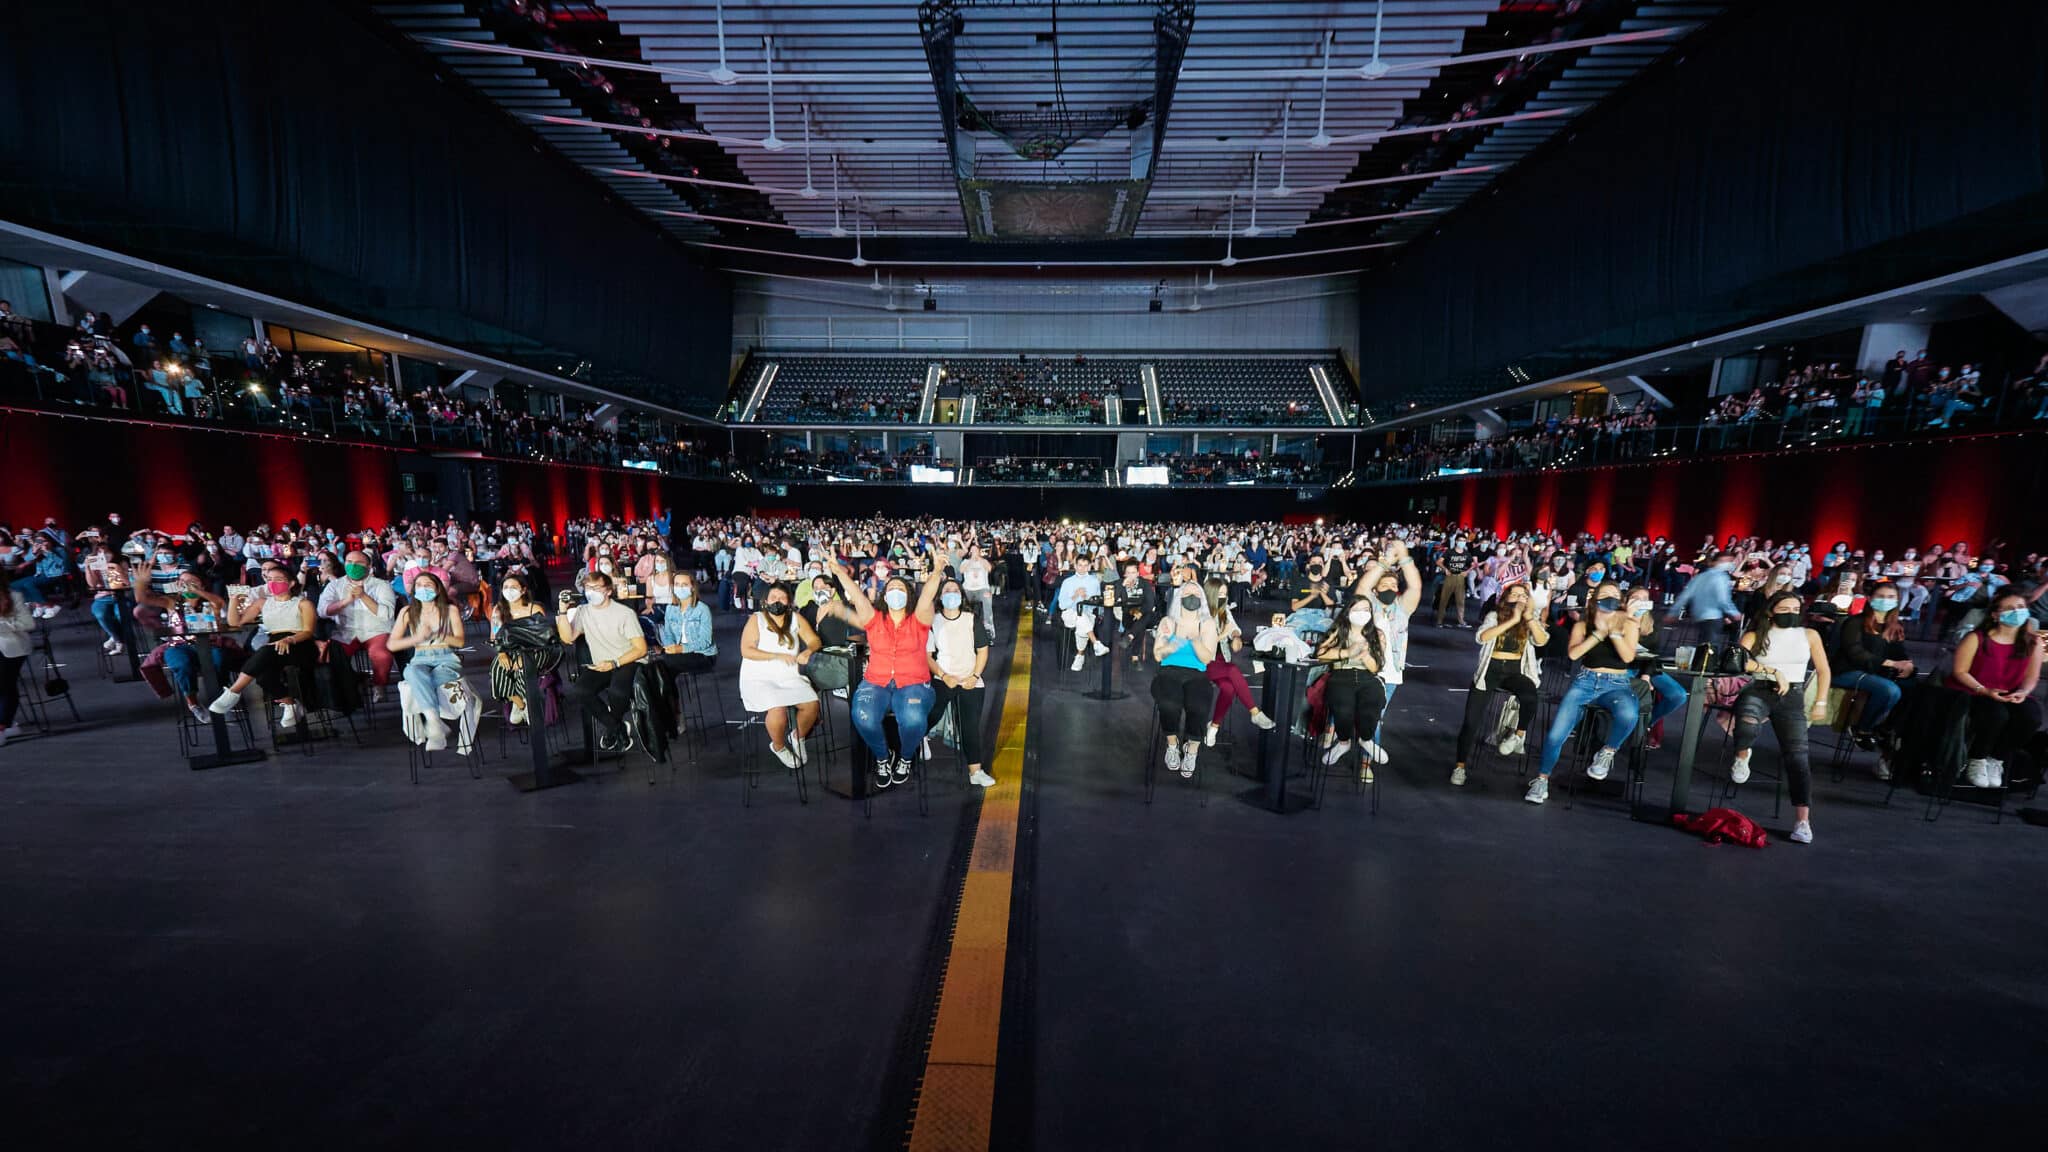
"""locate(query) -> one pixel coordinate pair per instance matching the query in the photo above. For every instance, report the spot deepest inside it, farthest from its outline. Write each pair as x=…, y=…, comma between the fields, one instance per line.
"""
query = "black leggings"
x=1786, y=712
x=1998, y=729
x=1501, y=676
x=1184, y=696
x=10, y=688
x=1354, y=698
x=966, y=704
x=266, y=666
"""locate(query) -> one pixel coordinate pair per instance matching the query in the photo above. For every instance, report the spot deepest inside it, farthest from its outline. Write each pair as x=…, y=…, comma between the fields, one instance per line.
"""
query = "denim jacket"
x=690, y=627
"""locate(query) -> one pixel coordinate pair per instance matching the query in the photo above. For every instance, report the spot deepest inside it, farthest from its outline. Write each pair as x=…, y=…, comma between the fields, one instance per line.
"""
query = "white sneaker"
x=1977, y=774
x=116, y=650
x=1173, y=757
x=1076, y=665
x=518, y=714
x=1802, y=832
x=1187, y=761
x=200, y=715
x=1738, y=771
x=1458, y=776
x=786, y=754
x=1512, y=744
x=1374, y=754
x=108, y=645
x=981, y=779
x=288, y=716
x=437, y=736
x=1209, y=737
x=1604, y=760
x=1101, y=649
x=1883, y=771
x=1337, y=751
x=1261, y=720
x=226, y=702
x=802, y=750
x=1539, y=790
x=1994, y=773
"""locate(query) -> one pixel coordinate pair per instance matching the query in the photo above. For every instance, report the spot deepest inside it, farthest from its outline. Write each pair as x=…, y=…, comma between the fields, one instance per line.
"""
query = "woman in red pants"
x=1223, y=670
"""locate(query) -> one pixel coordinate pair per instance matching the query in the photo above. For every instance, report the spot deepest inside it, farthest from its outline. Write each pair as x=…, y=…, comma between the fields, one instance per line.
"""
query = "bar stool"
x=751, y=754
x=1154, y=756
x=1590, y=734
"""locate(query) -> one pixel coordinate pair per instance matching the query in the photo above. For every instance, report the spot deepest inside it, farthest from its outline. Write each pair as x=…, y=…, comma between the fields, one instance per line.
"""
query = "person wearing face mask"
x=179, y=654
x=974, y=585
x=1392, y=586
x=1077, y=601
x=1997, y=666
x=958, y=656
x=1509, y=636
x=1604, y=644
x=431, y=629
x=1184, y=643
x=287, y=621
x=604, y=687
x=746, y=570
x=1709, y=600
x=362, y=608
x=521, y=633
x=1353, y=697
x=897, y=678
x=1671, y=694
x=1223, y=671
x=1137, y=602
x=1782, y=653
x=1867, y=654
x=775, y=647
x=686, y=644
x=1453, y=566
x=1970, y=590
x=106, y=576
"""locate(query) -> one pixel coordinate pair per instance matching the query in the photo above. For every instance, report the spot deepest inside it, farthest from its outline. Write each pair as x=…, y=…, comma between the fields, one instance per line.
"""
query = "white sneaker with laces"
x=1173, y=757
x=1337, y=751
x=1738, y=771
x=1101, y=649
x=1603, y=760
x=1802, y=832
x=981, y=779
x=518, y=714
x=108, y=644
x=116, y=650
x=225, y=702
x=1209, y=737
x=1261, y=720
x=1375, y=754
x=1994, y=773
x=200, y=714
x=1076, y=665
x=1977, y=774
x=1187, y=761
x=1512, y=744
x=1539, y=790
x=288, y=716
x=1458, y=776
x=802, y=749
x=786, y=754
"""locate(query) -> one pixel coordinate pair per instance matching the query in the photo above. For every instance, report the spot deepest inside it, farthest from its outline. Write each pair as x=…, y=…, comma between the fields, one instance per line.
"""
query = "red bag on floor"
x=1716, y=825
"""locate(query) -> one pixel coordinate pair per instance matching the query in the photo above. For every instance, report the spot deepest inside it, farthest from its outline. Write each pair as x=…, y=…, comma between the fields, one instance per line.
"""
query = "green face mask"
x=357, y=571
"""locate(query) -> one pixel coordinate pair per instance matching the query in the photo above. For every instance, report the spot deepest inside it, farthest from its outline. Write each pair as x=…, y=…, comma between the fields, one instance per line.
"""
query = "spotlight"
x=1156, y=305
x=931, y=304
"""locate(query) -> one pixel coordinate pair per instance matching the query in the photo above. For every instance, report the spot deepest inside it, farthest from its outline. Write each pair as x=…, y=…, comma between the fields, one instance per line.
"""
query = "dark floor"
x=316, y=952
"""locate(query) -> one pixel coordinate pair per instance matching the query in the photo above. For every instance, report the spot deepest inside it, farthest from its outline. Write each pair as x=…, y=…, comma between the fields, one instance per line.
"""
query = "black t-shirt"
x=1457, y=562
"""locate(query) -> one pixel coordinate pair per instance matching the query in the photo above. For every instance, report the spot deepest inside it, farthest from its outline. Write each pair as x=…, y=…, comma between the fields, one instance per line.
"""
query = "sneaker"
x=1602, y=761
x=1862, y=739
x=1512, y=744
x=116, y=650
x=1187, y=761
x=1539, y=790
x=1977, y=775
x=437, y=738
x=1994, y=773
x=882, y=777
x=981, y=779
x=226, y=702
x=802, y=749
x=1738, y=772
x=1076, y=665
x=1802, y=832
x=900, y=770
x=1337, y=751
x=288, y=716
x=1655, y=740
x=1261, y=720
x=1173, y=757
x=377, y=697
x=1101, y=649
x=1209, y=737
x=200, y=715
x=518, y=714
x=1458, y=776
x=108, y=645
x=1374, y=754
x=786, y=754
x=1883, y=771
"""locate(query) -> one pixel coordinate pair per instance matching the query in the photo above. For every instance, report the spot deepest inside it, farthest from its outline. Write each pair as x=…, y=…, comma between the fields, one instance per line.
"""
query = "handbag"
x=829, y=669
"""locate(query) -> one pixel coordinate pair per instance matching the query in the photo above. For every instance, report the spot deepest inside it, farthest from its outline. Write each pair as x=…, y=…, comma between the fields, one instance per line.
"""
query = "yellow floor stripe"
x=957, y=1095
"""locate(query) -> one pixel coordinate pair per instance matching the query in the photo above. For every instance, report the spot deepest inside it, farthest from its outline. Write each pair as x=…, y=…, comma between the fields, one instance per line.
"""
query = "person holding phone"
x=1184, y=643
x=287, y=619
x=612, y=631
x=431, y=628
x=1604, y=644
x=1509, y=636
x=1781, y=652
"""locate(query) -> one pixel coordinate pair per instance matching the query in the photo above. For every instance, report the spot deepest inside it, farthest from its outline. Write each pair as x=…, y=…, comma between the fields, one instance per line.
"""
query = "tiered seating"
x=1040, y=390
x=1234, y=390
x=838, y=389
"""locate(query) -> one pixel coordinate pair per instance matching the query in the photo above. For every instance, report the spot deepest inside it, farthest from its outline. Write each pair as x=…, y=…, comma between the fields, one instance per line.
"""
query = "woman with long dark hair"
x=1510, y=634
x=1353, y=696
x=1782, y=652
x=775, y=644
x=522, y=632
x=1997, y=666
x=1868, y=655
x=288, y=621
x=1223, y=671
x=1604, y=644
x=897, y=679
x=17, y=639
x=431, y=628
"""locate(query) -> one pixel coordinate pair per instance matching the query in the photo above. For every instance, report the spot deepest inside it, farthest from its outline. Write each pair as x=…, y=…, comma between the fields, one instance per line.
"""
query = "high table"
x=1280, y=697
x=224, y=753
x=1688, y=748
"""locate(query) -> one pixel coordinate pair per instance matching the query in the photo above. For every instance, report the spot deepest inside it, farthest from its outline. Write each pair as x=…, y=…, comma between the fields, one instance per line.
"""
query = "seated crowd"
x=1250, y=466
x=1804, y=637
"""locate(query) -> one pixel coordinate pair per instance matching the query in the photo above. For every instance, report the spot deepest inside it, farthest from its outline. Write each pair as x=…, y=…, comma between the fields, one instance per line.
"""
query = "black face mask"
x=1191, y=603
x=1388, y=596
x=777, y=609
x=1786, y=619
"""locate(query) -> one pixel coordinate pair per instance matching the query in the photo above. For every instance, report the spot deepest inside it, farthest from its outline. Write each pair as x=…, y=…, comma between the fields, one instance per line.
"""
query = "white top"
x=974, y=575
x=610, y=628
x=1392, y=621
x=1786, y=650
x=17, y=630
x=357, y=622
x=953, y=643
x=281, y=617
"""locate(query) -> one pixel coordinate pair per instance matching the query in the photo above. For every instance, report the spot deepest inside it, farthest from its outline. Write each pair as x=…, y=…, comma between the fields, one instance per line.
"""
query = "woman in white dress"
x=774, y=647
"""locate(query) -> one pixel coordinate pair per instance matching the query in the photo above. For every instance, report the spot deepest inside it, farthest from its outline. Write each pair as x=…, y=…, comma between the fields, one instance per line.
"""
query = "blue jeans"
x=107, y=611
x=1670, y=696
x=32, y=589
x=1882, y=690
x=1608, y=690
x=181, y=668
x=912, y=705
x=429, y=670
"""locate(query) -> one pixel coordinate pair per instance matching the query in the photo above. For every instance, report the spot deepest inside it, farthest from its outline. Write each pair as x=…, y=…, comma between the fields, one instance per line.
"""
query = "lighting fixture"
x=722, y=74
x=1375, y=68
x=1322, y=137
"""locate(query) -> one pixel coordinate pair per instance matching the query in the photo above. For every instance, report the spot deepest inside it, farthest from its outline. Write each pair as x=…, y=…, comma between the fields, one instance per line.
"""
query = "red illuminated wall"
x=79, y=470
x=1976, y=488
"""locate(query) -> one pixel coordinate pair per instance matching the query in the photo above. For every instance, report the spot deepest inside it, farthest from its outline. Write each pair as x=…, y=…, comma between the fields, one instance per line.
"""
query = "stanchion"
x=1279, y=698
x=546, y=773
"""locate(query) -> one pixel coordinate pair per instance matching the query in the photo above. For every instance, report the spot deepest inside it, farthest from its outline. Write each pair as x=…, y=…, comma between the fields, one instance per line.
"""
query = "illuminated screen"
x=644, y=465
x=921, y=474
x=1137, y=474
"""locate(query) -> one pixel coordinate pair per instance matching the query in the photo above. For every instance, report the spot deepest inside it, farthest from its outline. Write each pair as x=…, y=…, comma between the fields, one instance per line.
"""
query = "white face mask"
x=512, y=595
x=1359, y=614
x=594, y=595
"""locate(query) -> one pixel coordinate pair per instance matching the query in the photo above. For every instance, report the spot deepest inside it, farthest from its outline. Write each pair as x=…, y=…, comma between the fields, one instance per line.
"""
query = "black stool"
x=751, y=752
x=1154, y=756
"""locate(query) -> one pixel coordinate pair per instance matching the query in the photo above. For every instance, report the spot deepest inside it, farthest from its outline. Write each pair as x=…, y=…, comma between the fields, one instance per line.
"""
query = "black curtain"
x=1792, y=155
x=290, y=148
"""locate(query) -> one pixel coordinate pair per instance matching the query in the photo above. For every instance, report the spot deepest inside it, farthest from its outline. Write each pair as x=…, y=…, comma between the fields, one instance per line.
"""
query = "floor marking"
x=956, y=1096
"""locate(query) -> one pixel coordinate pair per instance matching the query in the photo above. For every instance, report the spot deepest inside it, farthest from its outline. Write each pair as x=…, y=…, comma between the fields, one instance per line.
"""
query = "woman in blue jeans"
x=1670, y=693
x=898, y=677
x=431, y=628
x=1604, y=644
x=1868, y=654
